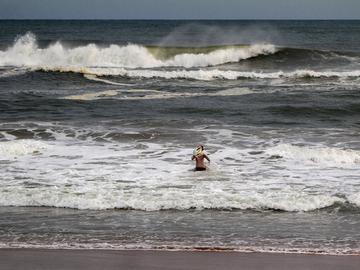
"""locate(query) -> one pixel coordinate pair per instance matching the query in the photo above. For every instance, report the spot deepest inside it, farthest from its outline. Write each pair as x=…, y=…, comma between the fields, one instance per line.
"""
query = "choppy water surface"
x=98, y=120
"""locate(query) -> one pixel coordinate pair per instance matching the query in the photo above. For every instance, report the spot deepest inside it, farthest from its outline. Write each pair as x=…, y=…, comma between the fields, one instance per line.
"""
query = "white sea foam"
x=119, y=245
x=207, y=74
x=96, y=78
x=125, y=60
x=318, y=74
x=21, y=147
x=326, y=155
x=77, y=170
x=355, y=199
x=93, y=95
x=220, y=56
x=153, y=198
x=297, y=201
x=147, y=94
x=25, y=52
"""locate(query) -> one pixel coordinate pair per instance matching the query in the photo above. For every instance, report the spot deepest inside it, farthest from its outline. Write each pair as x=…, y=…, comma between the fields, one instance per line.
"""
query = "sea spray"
x=26, y=52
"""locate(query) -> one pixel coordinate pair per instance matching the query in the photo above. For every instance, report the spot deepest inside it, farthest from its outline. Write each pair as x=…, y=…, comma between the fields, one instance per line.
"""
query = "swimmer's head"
x=199, y=150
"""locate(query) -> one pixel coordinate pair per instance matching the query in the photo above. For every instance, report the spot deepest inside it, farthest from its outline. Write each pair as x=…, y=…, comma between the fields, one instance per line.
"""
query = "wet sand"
x=170, y=260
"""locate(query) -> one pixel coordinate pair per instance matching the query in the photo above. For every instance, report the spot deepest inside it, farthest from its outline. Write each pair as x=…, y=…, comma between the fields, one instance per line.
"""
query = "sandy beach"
x=106, y=259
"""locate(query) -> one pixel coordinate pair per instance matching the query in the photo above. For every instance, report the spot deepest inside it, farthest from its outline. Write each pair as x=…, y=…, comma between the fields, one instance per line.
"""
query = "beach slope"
x=170, y=260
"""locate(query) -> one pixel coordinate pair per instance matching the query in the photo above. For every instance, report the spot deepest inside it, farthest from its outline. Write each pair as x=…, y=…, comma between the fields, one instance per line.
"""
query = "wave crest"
x=147, y=200
x=26, y=52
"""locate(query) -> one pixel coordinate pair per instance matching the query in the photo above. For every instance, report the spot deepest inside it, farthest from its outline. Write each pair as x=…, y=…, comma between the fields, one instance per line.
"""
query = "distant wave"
x=306, y=56
x=196, y=63
x=165, y=52
x=25, y=52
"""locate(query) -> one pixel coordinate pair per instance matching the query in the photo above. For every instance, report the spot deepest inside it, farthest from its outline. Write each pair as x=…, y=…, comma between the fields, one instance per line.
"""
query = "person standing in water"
x=199, y=157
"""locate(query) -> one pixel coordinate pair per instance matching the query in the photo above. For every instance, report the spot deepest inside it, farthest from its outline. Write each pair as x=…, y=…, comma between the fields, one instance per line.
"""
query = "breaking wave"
x=100, y=198
x=25, y=52
x=196, y=63
x=83, y=174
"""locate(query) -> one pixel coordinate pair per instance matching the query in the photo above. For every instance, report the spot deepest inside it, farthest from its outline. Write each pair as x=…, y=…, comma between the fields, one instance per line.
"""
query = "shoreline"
x=184, y=249
x=25, y=258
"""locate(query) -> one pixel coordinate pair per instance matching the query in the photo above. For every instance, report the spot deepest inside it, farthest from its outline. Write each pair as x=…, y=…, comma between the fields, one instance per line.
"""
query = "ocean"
x=99, y=119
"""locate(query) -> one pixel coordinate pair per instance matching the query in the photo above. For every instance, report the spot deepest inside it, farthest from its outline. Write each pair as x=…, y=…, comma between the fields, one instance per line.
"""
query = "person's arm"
x=205, y=156
x=193, y=157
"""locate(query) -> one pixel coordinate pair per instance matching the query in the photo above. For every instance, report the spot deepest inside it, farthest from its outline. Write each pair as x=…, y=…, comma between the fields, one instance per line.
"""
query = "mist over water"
x=98, y=121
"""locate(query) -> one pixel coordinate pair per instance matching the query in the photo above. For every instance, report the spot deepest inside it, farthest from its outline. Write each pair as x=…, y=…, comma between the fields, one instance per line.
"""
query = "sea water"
x=99, y=119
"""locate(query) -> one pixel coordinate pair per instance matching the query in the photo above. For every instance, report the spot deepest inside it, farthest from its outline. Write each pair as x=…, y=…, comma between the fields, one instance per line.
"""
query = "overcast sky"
x=179, y=9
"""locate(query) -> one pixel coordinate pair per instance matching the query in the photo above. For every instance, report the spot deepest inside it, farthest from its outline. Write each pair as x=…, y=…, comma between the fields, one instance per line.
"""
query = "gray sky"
x=179, y=9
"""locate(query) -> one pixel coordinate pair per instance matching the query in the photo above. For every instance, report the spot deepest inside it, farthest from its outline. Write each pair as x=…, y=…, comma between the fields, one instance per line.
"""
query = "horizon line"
x=186, y=19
